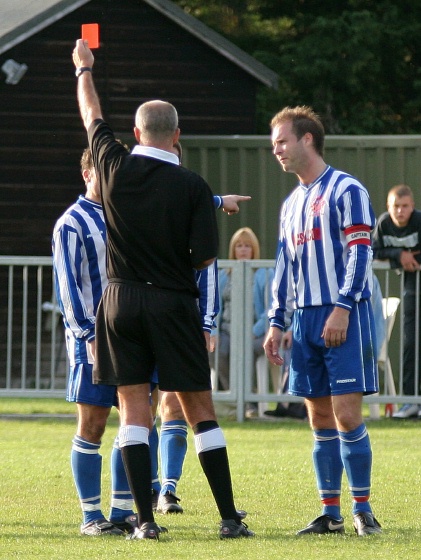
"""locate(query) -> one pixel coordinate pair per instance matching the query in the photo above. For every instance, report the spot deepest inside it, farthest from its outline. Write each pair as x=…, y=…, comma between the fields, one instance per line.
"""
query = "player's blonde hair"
x=303, y=120
x=86, y=161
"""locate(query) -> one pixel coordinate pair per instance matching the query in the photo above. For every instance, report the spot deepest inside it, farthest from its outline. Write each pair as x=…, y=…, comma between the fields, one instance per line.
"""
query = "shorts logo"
x=346, y=380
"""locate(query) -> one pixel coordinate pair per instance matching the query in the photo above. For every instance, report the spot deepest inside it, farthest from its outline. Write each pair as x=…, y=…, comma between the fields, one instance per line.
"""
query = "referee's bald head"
x=156, y=120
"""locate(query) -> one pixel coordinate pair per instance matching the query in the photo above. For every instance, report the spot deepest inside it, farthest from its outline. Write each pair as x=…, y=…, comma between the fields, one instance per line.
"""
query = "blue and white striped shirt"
x=207, y=282
x=80, y=273
x=324, y=252
x=79, y=253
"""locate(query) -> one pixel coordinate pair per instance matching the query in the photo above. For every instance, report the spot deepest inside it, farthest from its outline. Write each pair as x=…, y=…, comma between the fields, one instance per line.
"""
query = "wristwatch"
x=81, y=70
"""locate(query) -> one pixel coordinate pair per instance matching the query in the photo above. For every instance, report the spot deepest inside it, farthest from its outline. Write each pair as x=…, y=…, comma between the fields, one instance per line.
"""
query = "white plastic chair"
x=262, y=379
x=263, y=370
x=390, y=308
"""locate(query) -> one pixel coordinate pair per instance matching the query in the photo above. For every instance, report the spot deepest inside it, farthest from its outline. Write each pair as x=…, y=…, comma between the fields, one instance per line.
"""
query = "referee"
x=161, y=222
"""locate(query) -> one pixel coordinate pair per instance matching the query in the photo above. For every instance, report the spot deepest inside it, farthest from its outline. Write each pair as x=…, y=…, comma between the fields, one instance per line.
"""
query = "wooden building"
x=148, y=49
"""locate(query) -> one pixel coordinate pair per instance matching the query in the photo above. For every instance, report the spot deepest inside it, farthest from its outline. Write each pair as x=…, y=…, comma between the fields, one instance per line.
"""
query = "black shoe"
x=100, y=527
x=279, y=412
x=128, y=524
x=155, y=497
x=366, y=524
x=168, y=503
x=322, y=525
x=297, y=410
x=229, y=529
x=148, y=530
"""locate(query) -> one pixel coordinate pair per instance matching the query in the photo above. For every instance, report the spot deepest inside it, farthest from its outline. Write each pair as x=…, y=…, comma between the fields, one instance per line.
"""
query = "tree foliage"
x=356, y=62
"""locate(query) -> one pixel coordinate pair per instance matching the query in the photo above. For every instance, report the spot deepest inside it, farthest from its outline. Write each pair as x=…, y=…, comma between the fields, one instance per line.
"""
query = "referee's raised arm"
x=89, y=105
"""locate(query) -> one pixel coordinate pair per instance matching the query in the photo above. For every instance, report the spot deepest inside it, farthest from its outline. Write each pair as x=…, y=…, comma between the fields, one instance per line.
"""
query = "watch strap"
x=82, y=69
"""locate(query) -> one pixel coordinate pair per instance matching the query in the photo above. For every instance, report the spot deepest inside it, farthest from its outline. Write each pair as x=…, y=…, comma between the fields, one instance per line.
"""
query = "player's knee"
x=92, y=424
x=92, y=433
x=171, y=408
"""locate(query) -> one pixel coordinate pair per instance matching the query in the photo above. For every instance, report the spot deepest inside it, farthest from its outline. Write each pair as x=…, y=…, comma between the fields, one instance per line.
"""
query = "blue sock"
x=121, y=496
x=356, y=457
x=86, y=467
x=153, y=448
x=173, y=447
x=328, y=468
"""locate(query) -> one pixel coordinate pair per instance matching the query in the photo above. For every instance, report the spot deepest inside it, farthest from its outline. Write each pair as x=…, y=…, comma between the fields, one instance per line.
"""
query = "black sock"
x=137, y=463
x=215, y=465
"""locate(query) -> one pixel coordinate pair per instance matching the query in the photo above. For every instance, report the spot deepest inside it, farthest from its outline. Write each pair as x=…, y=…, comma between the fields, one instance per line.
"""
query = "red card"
x=90, y=33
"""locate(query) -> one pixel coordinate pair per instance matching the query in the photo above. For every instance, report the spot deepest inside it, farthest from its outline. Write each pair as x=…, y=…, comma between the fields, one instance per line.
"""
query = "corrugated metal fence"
x=33, y=360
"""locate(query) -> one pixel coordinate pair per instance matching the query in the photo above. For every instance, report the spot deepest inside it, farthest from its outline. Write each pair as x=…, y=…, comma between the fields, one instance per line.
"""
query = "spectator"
x=397, y=237
x=244, y=245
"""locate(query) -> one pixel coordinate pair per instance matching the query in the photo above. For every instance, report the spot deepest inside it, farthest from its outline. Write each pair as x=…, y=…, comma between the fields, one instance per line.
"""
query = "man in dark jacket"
x=397, y=238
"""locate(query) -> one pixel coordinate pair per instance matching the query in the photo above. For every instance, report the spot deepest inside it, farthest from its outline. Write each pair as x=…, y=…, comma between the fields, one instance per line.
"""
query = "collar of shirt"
x=82, y=198
x=155, y=153
x=308, y=187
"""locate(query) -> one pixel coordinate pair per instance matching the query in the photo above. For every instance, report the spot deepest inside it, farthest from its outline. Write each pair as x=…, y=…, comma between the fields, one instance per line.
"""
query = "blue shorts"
x=154, y=380
x=80, y=388
x=317, y=371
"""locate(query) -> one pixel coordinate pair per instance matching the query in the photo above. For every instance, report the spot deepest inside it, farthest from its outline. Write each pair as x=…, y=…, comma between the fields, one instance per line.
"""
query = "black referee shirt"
x=160, y=217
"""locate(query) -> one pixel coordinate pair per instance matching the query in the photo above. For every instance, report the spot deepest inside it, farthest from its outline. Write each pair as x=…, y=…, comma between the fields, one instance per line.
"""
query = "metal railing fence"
x=33, y=359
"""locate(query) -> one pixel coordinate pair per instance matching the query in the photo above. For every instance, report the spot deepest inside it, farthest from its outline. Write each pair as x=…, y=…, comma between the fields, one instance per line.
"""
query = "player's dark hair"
x=87, y=162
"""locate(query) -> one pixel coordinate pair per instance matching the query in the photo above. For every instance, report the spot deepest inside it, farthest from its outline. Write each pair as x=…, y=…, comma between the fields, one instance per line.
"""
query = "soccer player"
x=80, y=279
x=323, y=281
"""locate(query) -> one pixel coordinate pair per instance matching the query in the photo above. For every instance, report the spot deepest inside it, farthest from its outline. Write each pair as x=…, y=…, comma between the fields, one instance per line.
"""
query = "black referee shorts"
x=140, y=326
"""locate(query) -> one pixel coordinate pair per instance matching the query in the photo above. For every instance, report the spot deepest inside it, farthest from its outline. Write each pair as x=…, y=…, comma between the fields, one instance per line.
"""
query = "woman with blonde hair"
x=244, y=245
x=246, y=239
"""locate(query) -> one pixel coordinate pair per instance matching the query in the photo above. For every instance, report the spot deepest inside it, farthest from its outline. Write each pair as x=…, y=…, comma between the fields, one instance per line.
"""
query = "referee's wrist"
x=82, y=69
